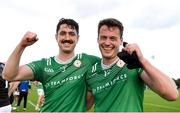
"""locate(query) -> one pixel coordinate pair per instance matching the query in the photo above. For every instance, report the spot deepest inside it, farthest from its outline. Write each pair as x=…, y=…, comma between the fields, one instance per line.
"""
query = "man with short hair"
x=62, y=75
x=114, y=86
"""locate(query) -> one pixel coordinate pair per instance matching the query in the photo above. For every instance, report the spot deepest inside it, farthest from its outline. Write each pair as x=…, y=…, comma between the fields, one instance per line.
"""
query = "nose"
x=107, y=41
x=67, y=36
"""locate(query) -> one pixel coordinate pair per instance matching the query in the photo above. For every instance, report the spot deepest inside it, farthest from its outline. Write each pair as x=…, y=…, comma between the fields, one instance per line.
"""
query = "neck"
x=109, y=61
x=65, y=56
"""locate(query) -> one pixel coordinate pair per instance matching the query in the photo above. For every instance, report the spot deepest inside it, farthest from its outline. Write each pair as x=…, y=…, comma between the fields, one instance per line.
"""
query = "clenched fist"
x=28, y=39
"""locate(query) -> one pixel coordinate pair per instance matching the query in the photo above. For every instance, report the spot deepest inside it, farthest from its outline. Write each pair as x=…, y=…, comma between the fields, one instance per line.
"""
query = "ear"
x=121, y=41
x=77, y=39
x=98, y=40
x=56, y=36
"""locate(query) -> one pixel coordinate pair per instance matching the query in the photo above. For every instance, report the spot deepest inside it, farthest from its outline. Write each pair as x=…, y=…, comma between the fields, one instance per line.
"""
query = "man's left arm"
x=89, y=100
x=159, y=81
x=153, y=77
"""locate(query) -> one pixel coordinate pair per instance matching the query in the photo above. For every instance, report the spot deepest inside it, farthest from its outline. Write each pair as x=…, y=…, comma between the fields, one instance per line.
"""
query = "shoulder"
x=43, y=61
x=49, y=59
x=89, y=57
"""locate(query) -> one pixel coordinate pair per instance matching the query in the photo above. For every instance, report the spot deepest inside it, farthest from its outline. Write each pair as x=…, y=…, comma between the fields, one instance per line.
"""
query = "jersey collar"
x=64, y=62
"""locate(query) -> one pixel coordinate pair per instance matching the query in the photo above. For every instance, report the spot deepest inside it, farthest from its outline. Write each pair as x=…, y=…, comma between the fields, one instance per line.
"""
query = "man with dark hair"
x=115, y=85
x=62, y=76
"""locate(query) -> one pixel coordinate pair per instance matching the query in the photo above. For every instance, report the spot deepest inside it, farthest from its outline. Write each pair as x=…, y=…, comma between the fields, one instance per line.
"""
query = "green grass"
x=31, y=102
x=152, y=102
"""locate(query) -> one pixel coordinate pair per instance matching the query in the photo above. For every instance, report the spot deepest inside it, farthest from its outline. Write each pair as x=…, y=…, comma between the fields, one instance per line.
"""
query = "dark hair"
x=1, y=67
x=70, y=22
x=111, y=22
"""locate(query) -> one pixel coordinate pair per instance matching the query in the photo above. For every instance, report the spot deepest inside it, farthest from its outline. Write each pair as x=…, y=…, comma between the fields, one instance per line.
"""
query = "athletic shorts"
x=16, y=93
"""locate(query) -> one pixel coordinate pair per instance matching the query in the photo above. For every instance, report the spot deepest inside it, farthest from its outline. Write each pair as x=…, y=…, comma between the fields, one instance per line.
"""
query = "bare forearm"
x=12, y=65
x=159, y=81
x=154, y=78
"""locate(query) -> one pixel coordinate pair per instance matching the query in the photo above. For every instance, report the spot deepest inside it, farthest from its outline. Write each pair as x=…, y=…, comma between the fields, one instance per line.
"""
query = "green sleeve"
x=36, y=67
x=87, y=79
x=93, y=59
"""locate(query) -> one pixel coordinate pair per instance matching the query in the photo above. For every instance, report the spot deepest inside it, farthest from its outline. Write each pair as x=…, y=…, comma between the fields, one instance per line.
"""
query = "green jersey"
x=116, y=89
x=64, y=84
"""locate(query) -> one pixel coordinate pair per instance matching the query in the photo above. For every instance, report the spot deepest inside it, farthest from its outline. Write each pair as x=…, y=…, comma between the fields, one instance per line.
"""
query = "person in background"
x=13, y=93
x=114, y=86
x=6, y=90
x=40, y=93
x=5, y=105
x=15, y=98
x=23, y=93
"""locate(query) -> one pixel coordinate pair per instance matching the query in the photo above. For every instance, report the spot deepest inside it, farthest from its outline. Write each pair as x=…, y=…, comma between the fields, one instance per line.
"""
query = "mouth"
x=67, y=42
x=107, y=48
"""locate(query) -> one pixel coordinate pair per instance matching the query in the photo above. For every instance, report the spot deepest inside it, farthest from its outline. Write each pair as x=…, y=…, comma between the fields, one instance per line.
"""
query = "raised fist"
x=28, y=39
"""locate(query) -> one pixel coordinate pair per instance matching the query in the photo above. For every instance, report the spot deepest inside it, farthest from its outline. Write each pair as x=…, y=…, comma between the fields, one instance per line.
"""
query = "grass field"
x=152, y=103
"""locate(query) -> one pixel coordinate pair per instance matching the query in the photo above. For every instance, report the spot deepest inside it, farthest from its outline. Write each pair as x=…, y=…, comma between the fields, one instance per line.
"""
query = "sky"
x=153, y=24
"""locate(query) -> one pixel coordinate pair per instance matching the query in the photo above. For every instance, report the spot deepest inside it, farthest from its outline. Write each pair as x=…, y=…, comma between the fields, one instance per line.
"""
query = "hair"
x=1, y=67
x=70, y=22
x=111, y=22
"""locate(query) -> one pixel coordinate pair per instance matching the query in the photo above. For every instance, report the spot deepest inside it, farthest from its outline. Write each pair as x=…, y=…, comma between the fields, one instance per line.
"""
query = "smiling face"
x=67, y=38
x=109, y=41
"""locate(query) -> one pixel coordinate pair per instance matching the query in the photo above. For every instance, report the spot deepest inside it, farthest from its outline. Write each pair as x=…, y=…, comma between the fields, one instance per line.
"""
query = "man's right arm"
x=12, y=71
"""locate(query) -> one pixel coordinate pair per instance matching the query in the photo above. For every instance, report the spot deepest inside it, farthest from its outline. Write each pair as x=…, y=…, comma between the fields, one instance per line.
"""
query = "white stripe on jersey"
x=79, y=56
x=94, y=67
x=49, y=61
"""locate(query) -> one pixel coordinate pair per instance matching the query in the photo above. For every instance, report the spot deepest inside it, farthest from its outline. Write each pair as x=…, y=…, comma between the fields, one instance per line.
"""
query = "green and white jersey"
x=116, y=89
x=64, y=84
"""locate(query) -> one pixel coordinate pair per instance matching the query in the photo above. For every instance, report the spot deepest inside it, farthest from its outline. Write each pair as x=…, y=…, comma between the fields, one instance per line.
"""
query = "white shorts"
x=40, y=92
x=5, y=109
x=15, y=93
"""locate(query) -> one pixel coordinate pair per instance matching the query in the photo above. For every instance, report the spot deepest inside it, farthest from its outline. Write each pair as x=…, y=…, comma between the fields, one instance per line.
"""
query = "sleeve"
x=92, y=61
x=89, y=76
x=88, y=80
x=37, y=69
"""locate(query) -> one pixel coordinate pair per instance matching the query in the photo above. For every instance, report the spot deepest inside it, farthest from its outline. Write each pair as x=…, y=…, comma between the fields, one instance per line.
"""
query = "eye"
x=113, y=38
x=72, y=33
x=103, y=37
x=62, y=33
